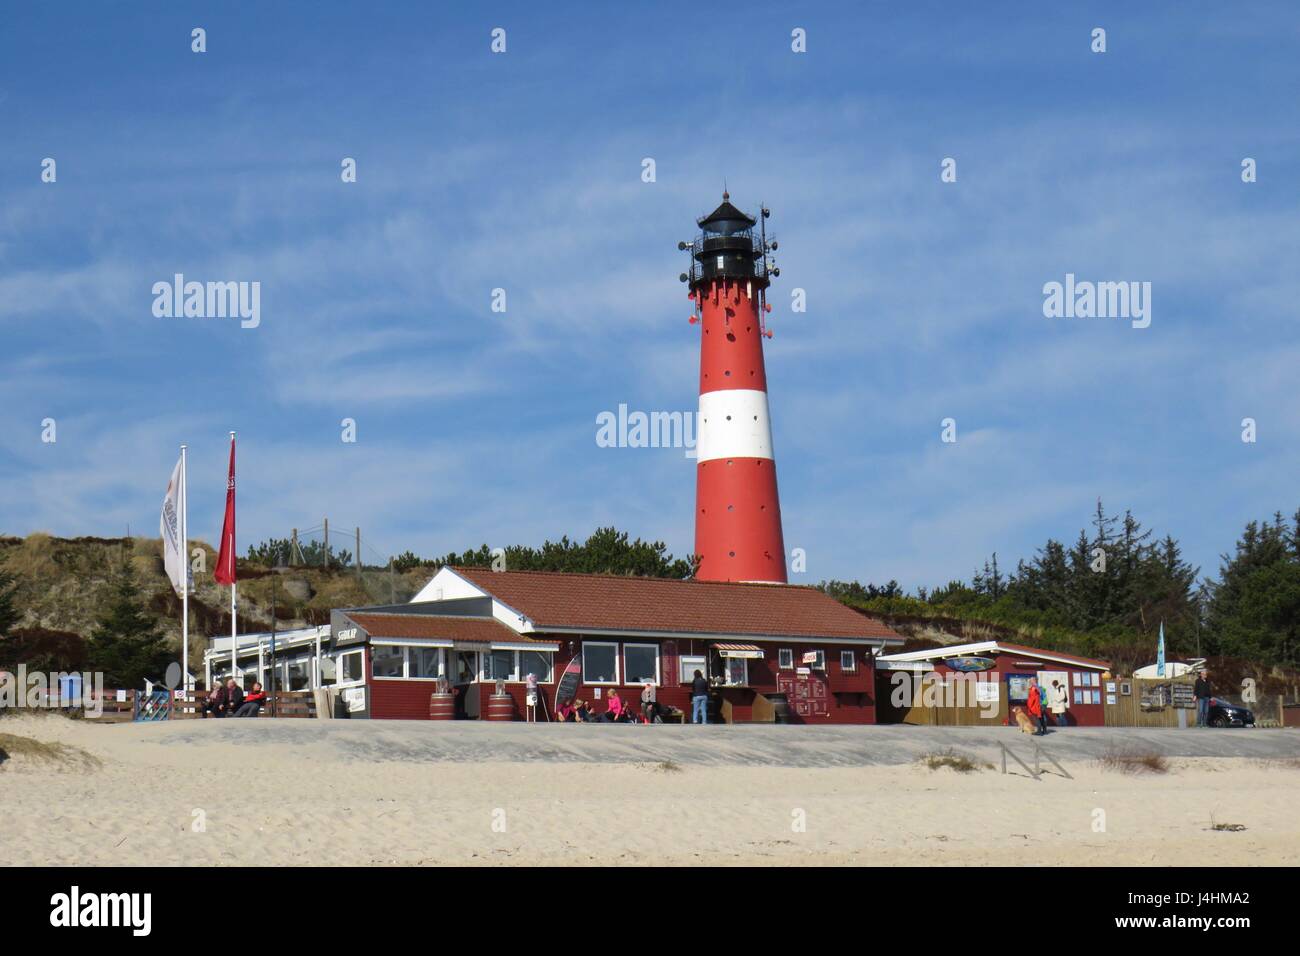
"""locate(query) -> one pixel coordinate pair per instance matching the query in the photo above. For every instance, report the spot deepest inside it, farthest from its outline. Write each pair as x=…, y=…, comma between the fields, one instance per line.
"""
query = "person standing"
x=1036, y=708
x=1203, y=692
x=1058, y=703
x=699, y=699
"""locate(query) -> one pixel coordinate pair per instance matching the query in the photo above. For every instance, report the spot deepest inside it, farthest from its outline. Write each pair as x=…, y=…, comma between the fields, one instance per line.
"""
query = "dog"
x=1022, y=720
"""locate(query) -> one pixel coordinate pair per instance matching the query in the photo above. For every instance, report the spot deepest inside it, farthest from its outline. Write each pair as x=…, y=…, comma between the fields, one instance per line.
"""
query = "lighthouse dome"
x=726, y=220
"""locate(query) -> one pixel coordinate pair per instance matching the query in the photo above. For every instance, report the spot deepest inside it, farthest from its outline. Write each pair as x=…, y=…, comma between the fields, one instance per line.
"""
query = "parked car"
x=1224, y=713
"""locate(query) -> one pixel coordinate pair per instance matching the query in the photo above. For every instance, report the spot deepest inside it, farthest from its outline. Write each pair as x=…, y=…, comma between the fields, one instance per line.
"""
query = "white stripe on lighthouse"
x=733, y=424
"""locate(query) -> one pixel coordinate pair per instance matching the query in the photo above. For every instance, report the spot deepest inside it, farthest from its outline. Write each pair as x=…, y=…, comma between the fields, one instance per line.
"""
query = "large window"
x=388, y=661
x=785, y=658
x=499, y=665
x=423, y=661
x=299, y=674
x=737, y=671
x=599, y=663
x=848, y=662
x=536, y=663
x=640, y=663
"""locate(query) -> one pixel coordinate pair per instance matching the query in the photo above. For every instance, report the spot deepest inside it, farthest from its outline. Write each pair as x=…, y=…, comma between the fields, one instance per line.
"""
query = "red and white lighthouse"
x=737, y=510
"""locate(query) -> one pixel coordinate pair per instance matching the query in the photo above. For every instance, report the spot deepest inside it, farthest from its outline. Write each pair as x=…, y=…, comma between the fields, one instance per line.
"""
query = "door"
x=465, y=666
x=1051, y=682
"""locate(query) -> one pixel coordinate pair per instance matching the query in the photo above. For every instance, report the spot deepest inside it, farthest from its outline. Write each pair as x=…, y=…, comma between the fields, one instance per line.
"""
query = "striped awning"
x=751, y=651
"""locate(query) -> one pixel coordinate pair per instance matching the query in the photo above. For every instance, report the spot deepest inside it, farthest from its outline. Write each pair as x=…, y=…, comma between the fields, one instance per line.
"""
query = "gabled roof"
x=610, y=603
x=995, y=647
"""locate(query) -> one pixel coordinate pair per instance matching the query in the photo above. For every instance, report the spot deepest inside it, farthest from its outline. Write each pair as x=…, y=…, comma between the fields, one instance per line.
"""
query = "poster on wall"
x=1110, y=700
x=986, y=692
x=1018, y=686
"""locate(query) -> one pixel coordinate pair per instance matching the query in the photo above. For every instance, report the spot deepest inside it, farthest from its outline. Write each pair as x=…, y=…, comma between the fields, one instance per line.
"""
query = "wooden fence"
x=124, y=706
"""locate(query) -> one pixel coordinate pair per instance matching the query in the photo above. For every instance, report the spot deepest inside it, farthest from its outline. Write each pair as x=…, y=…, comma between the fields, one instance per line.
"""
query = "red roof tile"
x=610, y=602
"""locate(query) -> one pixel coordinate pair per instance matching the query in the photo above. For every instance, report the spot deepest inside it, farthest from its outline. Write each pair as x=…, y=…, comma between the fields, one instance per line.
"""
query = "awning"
x=411, y=641
x=484, y=646
x=750, y=651
x=540, y=647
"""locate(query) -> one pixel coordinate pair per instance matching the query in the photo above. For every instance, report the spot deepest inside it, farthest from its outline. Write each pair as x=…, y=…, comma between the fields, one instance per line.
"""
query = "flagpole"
x=185, y=591
x=233, y=643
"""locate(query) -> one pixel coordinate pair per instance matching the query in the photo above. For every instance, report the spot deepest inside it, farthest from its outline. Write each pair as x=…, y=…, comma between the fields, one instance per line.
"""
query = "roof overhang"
x=730, y=638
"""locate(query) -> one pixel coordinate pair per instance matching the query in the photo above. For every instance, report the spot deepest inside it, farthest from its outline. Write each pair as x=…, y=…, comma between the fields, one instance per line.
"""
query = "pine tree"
x=127, y=644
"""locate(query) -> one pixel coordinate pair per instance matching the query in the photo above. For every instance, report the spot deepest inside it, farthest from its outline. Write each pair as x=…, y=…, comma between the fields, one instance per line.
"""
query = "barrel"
x=501, y=707
x=442, y=706
x=780, y=708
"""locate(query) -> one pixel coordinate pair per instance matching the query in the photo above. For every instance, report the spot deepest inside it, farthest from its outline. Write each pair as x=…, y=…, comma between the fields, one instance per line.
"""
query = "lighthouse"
x=737, y=510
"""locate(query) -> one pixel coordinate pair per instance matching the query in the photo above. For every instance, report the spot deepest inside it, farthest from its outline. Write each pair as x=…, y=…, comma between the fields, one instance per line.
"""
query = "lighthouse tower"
x=737, y=511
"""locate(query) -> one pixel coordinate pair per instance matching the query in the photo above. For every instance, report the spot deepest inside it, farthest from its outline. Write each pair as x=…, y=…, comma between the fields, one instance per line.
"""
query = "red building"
x=1004, y=671
x=766, y=648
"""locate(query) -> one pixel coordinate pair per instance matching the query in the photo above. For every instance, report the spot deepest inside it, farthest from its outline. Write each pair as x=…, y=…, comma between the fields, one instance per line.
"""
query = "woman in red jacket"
x=1036, y=708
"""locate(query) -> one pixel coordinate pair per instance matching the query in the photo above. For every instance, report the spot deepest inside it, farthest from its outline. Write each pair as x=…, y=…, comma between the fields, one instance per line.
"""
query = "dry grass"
x=1133, y=760
x=1225, y=827
x=668, y=766
x=952, y=760
x=39, y=753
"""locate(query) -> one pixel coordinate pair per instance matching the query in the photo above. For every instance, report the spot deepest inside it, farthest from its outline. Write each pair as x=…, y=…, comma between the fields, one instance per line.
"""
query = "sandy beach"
x=249, y=793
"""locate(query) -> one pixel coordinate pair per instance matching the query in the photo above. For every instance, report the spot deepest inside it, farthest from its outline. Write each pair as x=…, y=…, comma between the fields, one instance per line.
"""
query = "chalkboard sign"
x=569, y=681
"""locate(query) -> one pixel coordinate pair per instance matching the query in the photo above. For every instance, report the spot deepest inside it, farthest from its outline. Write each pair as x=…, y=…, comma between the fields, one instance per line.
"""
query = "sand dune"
x=201, y=793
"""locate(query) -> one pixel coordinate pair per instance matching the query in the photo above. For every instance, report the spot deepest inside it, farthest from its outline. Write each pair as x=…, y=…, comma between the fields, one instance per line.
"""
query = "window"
x=815, y=659
x=499, y=665
x=536, y=663
x=423, y=661
x=689, y=665
x=785, y=659
x=640, y=663
x=599, y=663
x=737, y=671
x=351, y=669
x=847, y=661
x=387, y=660
x=299, y=674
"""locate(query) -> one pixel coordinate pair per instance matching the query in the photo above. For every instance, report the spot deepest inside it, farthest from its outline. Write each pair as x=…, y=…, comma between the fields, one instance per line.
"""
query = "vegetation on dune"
x=1107, y=595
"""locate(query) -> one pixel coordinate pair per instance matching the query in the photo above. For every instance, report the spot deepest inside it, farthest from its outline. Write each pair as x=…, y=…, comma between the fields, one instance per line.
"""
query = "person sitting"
x=649, y=705
x=216, y=702
x=617, y=711
x=234, y=697
x=253, y=702
x=582, y=713
x=566, y=713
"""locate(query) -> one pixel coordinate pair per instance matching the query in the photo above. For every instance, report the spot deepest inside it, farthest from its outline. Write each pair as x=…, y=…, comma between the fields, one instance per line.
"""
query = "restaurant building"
x=767, y=649
x=980, y=683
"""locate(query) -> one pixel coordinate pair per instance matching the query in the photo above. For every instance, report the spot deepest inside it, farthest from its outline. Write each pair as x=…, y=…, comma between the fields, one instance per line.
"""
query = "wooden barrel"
x=442, y=706
x=780, y=708
x=501, y=707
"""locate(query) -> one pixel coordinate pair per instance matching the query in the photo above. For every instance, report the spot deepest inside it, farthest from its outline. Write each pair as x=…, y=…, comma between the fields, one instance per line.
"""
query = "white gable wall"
x=447, y=585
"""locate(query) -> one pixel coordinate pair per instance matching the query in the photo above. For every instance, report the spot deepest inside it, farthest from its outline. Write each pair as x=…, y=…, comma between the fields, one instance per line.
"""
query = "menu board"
x=1184, y=696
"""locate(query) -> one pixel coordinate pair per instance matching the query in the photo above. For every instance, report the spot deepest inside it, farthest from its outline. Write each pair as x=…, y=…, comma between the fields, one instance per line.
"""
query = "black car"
x=1224, y=713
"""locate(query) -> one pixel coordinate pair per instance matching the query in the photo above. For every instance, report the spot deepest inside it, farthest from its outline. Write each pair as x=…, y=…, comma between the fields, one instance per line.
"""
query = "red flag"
x=225, y=569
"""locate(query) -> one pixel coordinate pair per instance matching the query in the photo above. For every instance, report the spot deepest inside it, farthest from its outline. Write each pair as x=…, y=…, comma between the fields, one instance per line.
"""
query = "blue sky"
x=523, y=171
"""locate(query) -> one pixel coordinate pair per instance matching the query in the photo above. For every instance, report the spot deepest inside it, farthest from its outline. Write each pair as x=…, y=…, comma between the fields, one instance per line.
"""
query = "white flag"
x=170, y=527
